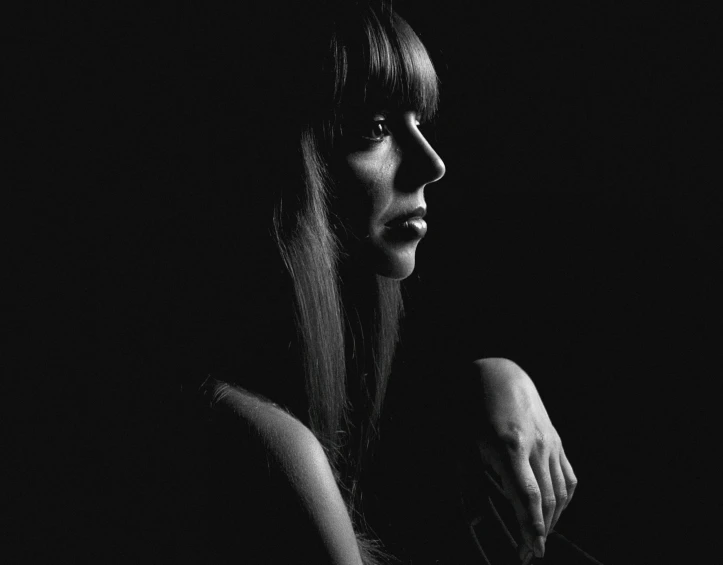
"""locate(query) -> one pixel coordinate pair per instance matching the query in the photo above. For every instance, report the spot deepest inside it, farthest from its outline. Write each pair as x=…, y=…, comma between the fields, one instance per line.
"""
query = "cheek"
x=375, y=181
x=363, y=189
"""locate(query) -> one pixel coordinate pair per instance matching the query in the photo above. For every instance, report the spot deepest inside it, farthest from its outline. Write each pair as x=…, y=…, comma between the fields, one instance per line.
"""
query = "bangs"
x=385, y=65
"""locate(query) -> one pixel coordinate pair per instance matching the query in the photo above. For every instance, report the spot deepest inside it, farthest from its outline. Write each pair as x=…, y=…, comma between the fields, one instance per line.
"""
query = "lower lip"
x=415, y=228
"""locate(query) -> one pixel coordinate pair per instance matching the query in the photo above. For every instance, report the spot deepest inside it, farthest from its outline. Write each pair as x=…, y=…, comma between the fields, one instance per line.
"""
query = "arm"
x=300, y=467
x=518, y=441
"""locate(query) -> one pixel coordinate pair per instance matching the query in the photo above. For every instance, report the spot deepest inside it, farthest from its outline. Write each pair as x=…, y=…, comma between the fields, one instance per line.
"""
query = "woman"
x=343, y=163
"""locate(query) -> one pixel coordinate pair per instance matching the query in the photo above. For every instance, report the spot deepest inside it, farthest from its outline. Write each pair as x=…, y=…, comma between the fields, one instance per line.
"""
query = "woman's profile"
x=326, y=207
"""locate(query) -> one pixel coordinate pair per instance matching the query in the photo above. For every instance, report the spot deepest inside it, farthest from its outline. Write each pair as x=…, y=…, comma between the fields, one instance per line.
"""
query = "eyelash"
x=363, y=128
x=374, y=123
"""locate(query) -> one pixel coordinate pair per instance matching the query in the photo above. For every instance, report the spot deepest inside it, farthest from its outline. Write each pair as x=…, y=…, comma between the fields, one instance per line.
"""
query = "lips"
x=408, y=226
x=408, y=217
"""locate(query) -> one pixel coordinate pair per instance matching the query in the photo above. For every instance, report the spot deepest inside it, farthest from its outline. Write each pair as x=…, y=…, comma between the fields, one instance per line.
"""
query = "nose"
x=421, y=165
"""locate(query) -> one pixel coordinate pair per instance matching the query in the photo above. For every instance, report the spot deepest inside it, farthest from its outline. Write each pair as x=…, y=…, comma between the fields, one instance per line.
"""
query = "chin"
x=397, y=262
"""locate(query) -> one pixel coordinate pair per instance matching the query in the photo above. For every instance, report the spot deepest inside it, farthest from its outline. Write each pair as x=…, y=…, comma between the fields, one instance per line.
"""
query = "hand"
x=519, y=443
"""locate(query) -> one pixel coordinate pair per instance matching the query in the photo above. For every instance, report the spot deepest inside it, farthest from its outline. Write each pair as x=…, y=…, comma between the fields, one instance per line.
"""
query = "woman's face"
x=386, y=164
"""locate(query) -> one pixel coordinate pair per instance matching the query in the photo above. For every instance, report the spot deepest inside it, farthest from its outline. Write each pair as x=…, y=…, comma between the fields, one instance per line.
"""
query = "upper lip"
x=419, y=212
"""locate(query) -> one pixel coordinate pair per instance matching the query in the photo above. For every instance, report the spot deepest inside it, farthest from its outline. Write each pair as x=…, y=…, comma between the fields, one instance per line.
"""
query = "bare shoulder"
x=280, y=430
x=301, y=463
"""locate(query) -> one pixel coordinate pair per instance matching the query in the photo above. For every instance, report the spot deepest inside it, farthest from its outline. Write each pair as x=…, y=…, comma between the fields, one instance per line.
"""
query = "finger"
x=521, y=486
x=560, y=487
x=541, y=468
x=569, y=474
x=525, y=555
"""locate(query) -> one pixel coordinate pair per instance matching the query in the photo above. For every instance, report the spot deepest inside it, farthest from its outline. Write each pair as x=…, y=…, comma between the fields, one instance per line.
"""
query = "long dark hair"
x=347, y=319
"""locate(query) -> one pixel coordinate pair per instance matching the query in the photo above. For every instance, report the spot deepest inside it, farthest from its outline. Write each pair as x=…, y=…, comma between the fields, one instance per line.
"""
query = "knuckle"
x=513, y=440
x=549, y=503
x=538, y=528
x=531, y=494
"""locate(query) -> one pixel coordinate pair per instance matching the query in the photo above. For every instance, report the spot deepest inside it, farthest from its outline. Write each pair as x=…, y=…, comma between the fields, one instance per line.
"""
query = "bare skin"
x=518, y=441
x=387, y=169
x=293, y=449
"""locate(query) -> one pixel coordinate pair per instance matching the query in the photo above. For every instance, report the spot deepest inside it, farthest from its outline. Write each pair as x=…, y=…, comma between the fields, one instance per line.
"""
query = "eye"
x=376, y=129
x=363, y=129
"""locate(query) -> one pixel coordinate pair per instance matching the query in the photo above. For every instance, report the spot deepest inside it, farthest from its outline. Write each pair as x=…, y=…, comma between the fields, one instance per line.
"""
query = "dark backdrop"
x=577, y=232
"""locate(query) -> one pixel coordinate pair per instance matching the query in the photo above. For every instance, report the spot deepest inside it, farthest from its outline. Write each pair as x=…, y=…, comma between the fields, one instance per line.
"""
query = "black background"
x=577, y=231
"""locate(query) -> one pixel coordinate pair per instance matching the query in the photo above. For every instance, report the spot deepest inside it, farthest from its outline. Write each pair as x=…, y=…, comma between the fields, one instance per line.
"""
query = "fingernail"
x=539, y=547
